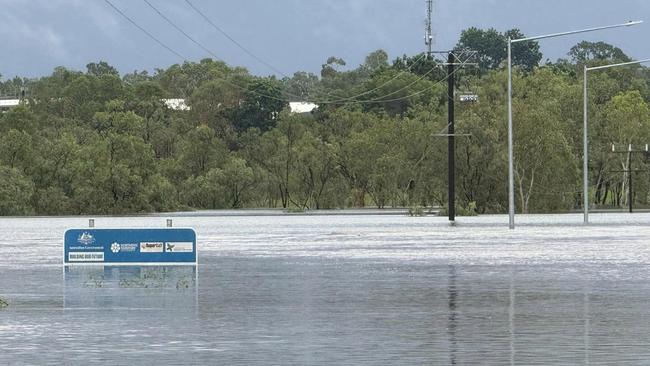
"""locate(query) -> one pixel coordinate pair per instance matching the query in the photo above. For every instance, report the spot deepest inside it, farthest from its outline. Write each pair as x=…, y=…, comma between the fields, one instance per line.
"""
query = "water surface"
x=357, y=290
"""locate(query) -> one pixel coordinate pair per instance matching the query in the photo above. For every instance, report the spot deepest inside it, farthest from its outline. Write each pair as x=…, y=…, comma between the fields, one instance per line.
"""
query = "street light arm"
x=619, y=64
x=628, y=24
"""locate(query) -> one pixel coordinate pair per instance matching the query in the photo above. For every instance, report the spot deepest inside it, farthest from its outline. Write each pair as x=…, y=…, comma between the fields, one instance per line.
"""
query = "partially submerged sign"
x=165, y=287
x=129, y=246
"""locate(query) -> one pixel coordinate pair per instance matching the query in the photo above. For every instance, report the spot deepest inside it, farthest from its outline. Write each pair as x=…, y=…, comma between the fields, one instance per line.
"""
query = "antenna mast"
x=428, y=25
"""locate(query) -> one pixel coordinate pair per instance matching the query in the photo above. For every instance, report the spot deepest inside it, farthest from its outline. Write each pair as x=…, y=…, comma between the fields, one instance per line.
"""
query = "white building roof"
x=8, y=103
x=302, y=107
x=176, y=104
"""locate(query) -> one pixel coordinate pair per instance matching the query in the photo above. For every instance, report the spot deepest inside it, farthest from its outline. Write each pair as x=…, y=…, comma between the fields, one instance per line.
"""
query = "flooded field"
x=337, y=289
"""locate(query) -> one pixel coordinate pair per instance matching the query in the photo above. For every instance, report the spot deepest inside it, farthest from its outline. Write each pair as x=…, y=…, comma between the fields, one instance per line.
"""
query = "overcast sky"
x=291, y=35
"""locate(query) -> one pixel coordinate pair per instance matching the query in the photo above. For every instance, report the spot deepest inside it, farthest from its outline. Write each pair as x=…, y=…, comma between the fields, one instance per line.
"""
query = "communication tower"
x=428, y=28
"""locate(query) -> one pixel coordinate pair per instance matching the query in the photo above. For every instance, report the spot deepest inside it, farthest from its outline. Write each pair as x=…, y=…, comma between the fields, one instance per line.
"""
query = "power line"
x=184, y=58
x=381, y=100
x=341, y=100
x=144, y=30
x=206, y=49
x=344, y=101
x=181, y=30
x=260, y=60
x=386, y=83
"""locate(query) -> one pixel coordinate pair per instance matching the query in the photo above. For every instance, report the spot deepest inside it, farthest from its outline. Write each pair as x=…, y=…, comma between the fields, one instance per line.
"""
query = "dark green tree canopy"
x=101, y=68
x=586, y=51
x=376, y=60
x=491, y=47
x=525, y=54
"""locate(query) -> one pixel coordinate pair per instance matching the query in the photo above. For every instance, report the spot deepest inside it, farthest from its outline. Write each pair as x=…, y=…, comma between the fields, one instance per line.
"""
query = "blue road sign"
x=129, y=246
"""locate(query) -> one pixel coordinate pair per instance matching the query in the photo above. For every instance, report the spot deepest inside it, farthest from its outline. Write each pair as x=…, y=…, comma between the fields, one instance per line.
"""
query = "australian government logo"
x=86, y=241
x=86, y=238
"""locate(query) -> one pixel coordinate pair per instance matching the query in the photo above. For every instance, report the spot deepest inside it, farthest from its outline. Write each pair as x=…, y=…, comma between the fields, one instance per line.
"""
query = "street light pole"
x=585, y=163
x=511, y=178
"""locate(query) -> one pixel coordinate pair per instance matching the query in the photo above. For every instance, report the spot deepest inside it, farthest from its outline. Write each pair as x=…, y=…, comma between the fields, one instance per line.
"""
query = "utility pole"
x=629, y=171
x=428, y=26
x=629, y=183
x=452, y=61
x=451, y=143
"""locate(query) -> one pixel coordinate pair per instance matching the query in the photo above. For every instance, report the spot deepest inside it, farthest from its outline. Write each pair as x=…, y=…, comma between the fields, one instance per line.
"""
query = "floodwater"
x=344, y=290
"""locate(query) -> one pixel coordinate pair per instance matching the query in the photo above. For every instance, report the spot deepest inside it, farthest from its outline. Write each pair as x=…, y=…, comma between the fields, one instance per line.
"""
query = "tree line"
x=97, y=142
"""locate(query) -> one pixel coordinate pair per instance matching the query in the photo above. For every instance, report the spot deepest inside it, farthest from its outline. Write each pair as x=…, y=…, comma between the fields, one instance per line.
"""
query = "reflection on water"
x=272, y=301
x=307, y=311
x=133, y=287
x=453, y=294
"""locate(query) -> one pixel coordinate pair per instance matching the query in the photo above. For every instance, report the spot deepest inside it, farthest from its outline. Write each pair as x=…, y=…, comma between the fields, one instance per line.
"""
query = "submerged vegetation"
x=96, y=142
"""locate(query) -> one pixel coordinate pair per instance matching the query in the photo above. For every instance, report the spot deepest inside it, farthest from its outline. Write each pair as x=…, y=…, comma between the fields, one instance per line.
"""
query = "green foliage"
x=261, y=106
x=95, y=143
x=101, y=68
x=301, y=86
x=586, y=51
x=489, y=44
x=16, y=192
x=491, y=47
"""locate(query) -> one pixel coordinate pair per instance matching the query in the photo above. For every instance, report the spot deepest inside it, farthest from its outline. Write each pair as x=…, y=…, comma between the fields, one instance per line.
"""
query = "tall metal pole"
x=428, y=32
x=451, y=151
x=585, y=162
x=511, y=177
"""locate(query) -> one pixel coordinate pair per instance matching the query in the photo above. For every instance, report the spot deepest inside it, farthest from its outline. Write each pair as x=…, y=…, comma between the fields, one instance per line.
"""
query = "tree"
x=202, y=150
x=19, y=118
x=586, y=51
x=16, y=149
x=301, y=86
x=261, y=107
x=331, y=67
x=625, y=121
x=101, y=68
x=524, y=54
x=492, y=48
x=421, y=65
x=237, y=179
x=489, y=44
x=545, y=170
x=16, y=192
x=376, y=61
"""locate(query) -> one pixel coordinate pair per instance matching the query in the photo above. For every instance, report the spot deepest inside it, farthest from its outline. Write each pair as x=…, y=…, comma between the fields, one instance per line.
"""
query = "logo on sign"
x=123, y=248
x=179, y=247
x=85, y=238
x=151, y=247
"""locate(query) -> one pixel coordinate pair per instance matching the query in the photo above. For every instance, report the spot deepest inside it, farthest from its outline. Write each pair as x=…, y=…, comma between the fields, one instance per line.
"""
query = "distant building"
x=5, y=104
x=302, y=107
x=176, y=104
